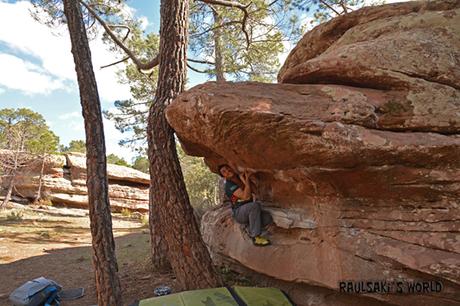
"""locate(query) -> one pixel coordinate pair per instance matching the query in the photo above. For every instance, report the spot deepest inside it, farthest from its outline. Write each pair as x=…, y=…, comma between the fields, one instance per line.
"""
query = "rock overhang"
x=356, y=152
x=303, y=125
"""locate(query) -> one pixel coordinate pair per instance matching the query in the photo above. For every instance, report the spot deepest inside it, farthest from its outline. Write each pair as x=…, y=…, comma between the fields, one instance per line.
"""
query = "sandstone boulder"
x=114, y=172
x=358, y=161
x=411, y=47
x=64, y=182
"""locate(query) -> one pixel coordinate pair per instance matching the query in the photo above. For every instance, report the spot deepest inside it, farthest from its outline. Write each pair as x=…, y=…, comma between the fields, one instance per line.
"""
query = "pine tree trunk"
x=40, y=180
x=8, y=193
x=11, y=183
x=218, y=58
x=104, y=260
x=169, y=200
x=158, y=244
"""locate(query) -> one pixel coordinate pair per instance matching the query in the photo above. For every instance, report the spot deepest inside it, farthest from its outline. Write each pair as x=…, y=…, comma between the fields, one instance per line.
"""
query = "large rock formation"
x=64, y=182
x=359, y=160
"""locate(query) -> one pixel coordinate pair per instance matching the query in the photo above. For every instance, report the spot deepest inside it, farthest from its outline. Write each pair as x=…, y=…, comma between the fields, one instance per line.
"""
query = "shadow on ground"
x=46, y=234
x=72, y=267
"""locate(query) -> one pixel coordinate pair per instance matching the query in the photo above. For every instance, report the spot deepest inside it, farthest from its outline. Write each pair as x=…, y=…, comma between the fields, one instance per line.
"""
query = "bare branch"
x=242, y=7
x=243, y=27
x=196, y=70
x=323, y=2
x=269, y=40
x=117, y=62
x=214, y=9
x=200, y=61
x=226, y=3
x=273, y=2
x=344, y=7
x=92, y=24
x=140, y=65
x=121, y=26
x=216, y=27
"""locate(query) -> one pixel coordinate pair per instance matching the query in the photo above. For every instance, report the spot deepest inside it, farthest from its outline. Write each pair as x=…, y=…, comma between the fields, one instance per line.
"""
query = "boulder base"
x=356, y=154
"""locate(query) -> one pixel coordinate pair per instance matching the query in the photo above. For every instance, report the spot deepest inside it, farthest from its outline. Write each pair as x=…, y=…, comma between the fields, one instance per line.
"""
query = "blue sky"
x=37, y=70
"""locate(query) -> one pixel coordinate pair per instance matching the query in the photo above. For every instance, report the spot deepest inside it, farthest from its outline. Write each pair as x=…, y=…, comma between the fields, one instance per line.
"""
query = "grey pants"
x=253, y=215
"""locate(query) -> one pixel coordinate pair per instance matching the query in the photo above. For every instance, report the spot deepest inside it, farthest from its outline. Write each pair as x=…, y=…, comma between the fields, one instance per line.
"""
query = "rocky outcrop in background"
x=64, y=182
x=356, y=153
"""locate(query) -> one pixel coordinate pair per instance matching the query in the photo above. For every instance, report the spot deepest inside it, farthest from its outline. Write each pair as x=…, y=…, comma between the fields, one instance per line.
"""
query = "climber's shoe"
x=260, y=241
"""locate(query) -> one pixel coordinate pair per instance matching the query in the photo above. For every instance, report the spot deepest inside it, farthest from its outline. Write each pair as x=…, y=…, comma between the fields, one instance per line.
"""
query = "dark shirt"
x=230, y=187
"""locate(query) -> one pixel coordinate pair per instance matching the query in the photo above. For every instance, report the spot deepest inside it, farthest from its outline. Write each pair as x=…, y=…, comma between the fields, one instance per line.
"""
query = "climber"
x=245, y=209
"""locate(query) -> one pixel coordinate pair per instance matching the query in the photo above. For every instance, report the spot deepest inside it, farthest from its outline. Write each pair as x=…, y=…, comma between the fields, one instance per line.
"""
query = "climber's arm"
x=244, y=194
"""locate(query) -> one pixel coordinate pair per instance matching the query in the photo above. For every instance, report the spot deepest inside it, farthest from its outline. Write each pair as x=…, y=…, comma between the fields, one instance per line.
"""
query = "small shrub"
x=15, y=216
x=231, y=277
x=125, y=212
x=49, y=234
x=44, y=234
x=44, y=202
x=144, y=220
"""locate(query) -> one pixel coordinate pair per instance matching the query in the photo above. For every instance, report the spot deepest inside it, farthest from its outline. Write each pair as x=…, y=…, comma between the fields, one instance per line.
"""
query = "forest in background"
x=26, y=134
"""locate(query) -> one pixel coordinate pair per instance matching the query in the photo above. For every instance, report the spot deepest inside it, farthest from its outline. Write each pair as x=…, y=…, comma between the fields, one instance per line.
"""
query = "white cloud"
x=70, y=115
x=77, y=125
x=260, y=32
x=144, y=22
x=2, y=90
x=107, y=82
x=112, y=137
x=287, y=49
x=127, y=11
x=52, y=50
x=74, y=122
x=25, y=76
x=308, y=22
x=28, y=36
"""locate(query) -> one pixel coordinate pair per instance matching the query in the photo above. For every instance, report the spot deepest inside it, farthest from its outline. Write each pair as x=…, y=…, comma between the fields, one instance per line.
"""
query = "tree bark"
x=40, y=179
x=13, y=175
x=219, y=60
x=171, y=212
x=158, y=244
x=8, y=193
x=105, y=264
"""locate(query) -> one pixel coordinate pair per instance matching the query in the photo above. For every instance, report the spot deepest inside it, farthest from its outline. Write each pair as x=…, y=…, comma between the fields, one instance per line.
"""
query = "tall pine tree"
x=105, y=264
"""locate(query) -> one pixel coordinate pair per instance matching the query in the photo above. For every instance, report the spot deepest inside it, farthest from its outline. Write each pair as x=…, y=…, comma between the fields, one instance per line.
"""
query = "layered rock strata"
x=356, y=153
x=64, y=182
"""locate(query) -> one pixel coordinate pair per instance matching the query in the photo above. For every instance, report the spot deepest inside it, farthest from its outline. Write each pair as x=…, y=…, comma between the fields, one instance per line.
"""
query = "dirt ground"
x=56, y=243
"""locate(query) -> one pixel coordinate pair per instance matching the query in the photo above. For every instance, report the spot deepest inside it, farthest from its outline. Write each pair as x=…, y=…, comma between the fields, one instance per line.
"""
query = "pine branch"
x=215, y=28
x=196, y=70
x=140, y=65
x=117, y=62
x=200, y=61
x=226, y=3
x=121, y=26
x=234, y=4
x=272, y=3
x=324, y=2
x=344, y=7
